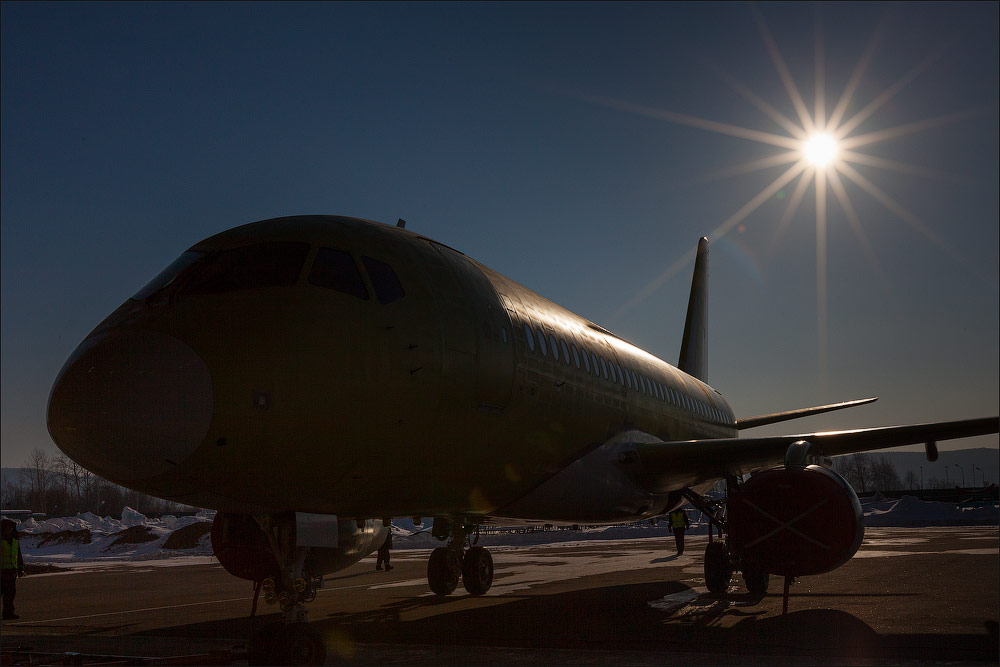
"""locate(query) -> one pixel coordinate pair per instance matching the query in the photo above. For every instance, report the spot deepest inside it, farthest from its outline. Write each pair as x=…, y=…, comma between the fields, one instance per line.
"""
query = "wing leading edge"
x=667, y=466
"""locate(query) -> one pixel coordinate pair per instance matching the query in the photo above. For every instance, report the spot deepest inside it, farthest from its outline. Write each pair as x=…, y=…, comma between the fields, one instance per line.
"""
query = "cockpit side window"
x=167, y=276
x=275, y=264
x=384, y=281
x=336, y=269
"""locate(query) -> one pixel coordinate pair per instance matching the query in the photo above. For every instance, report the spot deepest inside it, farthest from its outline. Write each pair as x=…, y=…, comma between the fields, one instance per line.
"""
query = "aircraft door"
x=494, y=354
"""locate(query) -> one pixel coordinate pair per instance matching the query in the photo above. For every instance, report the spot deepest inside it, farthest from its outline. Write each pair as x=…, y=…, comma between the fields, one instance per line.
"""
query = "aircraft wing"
x=670, y=465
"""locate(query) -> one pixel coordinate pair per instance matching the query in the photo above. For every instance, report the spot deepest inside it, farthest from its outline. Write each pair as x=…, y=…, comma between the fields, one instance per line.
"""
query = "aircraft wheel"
x=302, y=645
x=477, y=570
x=442, y=572
x=718, y=569
x=756, y=581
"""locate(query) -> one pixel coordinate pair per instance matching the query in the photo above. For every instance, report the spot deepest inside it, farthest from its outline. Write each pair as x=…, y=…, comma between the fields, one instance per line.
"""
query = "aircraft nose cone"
x=131, y=405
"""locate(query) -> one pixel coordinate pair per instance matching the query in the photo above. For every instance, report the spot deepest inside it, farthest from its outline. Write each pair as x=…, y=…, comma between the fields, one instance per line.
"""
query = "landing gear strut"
x=291, y=641
x=449, y=563
x=721, y=559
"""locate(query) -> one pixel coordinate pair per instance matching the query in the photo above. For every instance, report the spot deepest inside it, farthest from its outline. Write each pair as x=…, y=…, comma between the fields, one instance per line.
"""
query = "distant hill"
x=12, y=475
x=983, y=458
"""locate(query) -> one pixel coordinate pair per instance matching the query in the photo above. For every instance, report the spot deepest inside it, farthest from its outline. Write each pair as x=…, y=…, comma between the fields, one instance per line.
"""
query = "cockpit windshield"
x=275, y=264
x=168, y=275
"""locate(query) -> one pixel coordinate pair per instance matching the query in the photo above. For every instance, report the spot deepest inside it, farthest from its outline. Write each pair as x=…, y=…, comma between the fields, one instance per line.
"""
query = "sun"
x=820, y=149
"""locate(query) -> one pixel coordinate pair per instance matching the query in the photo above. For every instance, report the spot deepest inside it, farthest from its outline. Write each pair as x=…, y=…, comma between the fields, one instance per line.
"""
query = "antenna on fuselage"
x=694, y=349
x=401, y=223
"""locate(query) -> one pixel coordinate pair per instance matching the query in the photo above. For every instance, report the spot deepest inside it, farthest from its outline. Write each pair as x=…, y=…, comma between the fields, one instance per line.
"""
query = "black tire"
x=302, y=645
x=442, y=574
x=477, y=570
x=265, y=644
x=756, y=581
x=718, y=569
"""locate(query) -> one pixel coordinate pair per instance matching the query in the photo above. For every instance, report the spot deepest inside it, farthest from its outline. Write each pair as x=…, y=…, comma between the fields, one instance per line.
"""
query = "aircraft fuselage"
x=363, y=370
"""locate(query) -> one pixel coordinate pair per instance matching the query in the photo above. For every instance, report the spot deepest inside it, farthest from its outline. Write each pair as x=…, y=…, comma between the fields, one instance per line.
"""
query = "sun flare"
x=820, y=149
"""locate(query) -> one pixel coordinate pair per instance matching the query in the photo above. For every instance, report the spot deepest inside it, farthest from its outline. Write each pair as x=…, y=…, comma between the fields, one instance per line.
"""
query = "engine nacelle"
x=795, y=521
x=244, y=551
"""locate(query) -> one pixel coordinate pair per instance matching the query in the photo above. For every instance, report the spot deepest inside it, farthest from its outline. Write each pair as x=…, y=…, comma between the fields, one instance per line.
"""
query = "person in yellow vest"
x=678, y=523
x=13, y=567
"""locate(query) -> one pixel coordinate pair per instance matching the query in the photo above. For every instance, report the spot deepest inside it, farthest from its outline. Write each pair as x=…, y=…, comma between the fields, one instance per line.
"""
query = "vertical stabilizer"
x=694, y=350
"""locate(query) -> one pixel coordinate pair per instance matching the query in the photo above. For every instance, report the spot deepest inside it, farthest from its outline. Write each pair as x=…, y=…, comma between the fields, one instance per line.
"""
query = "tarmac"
x=910, y=596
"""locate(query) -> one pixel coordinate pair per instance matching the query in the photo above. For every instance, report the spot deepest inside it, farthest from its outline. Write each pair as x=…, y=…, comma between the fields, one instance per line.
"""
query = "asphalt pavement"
x=910, y=596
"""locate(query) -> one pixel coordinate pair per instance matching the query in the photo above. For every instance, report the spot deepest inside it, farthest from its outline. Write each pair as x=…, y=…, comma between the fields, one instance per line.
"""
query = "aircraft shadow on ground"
x=620, y=618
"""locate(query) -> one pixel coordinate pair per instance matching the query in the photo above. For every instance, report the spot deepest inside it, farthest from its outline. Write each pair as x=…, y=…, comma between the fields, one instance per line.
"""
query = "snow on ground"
x=911, y=511
x=88, y=538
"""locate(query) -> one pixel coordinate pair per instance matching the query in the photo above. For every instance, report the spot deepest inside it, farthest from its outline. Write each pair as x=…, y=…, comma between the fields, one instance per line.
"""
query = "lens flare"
x=820, y=149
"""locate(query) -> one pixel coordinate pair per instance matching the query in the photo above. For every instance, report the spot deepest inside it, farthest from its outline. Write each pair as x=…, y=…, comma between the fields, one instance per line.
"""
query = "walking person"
x=383, y=552
x=678, y=523
x=13, y=567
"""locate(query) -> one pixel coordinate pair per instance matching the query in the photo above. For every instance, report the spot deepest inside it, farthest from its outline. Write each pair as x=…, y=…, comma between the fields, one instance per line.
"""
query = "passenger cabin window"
x=336, y=270
x=530, y=337
x=555, y=346
x=260, y=265
x=565, y=351
x=384, y=281
x=541, y=343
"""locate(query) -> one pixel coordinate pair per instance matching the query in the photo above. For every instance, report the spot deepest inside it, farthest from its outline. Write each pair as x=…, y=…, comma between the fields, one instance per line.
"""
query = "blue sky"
x=132, y=131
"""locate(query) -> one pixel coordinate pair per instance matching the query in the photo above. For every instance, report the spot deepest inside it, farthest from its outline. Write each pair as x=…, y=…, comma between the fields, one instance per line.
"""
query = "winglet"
x=694, y=350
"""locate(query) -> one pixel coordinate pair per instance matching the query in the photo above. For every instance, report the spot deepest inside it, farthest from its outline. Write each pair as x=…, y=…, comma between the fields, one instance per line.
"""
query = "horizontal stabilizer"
x=774, y=418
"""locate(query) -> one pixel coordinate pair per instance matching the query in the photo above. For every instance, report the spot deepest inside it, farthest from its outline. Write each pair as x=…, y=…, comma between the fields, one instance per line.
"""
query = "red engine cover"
x=795, y=521
x=242, y=548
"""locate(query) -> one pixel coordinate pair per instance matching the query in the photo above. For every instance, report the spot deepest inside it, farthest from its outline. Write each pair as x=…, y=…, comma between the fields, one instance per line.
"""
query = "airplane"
x=314, y=377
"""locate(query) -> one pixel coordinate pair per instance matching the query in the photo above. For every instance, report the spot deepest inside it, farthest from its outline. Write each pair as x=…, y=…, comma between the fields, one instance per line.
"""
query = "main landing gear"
x=291, y=641
x=449, y=563
x=721, y=559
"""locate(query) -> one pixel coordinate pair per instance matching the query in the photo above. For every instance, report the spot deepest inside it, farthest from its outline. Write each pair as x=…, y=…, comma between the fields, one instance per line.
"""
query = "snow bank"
x=911, y=511
x=133, y=536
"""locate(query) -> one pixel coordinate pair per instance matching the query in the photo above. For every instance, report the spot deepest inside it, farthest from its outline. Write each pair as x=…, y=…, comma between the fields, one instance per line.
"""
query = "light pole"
x=921, y=478
x=974, y=469
x=963, y=473
x=947, y=481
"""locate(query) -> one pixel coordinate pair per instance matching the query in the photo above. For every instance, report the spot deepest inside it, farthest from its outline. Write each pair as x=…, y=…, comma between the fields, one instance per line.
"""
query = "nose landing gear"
x=449, y=563
x=291, y=641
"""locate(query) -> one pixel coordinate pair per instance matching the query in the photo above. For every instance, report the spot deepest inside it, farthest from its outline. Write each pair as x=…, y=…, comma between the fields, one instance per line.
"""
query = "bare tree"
x=883, y=475
x=856, y=469
x=39, y=468
x=77, y=481
x=14, y=495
